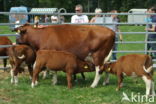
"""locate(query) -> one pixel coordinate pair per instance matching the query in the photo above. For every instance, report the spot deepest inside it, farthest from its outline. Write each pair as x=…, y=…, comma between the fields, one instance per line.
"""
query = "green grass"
x=81, y=93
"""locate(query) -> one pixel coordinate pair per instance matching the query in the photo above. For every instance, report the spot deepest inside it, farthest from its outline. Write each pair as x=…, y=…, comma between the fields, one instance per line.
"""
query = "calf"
x=130, y=65
x=60, y=61
x=3, y=51
x=17, y=55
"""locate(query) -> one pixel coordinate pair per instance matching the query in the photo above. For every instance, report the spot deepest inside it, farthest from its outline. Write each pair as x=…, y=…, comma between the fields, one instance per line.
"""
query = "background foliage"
x=89, y=5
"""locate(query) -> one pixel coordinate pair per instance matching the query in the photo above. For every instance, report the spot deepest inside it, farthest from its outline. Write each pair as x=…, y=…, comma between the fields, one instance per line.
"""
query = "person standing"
x=97, y=10
x=79, y=18
x=115, y=28
x=152, y=28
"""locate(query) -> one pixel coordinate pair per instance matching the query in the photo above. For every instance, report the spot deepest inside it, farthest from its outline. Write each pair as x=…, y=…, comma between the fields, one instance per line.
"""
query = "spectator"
x=54, y=19
x=46, y=19
x=78, y=18
x=36, y=19
x=151, y=28
x=97, y=10
x=115, y=28
x=148, y=20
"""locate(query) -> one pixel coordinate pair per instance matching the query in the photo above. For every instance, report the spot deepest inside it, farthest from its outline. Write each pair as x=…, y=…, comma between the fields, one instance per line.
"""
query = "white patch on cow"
x=106, y=81
x=32, y=85
x=54, y=79
x=97, y=77
x=108, y=57
x=148, y=83
x=134, y=74
x=16, y=80
x=148, y=70
x=22, y=56
x=12, y=76
x=34, y=65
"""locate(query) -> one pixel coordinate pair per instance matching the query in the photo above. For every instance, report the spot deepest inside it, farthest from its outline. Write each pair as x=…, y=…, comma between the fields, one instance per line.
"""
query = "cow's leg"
x=153, y=92
x=54, y=79
x=69, y=79
x=120, y=79
x=148, y=83
x=83, y=76
x=75, y=78
x=106, y=80
x=12, y=76
x=44, y=74
x=97, y=77
x=36, y=72
x=15, y=72
x=4, y=63
x=30, y=71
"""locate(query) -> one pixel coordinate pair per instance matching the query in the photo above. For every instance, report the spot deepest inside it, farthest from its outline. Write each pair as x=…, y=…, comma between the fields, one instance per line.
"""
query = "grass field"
x=81, y=93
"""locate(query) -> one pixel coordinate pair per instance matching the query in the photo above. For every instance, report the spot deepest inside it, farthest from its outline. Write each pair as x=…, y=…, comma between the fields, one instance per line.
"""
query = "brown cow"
x=81, y=40
x=60, y=61
x=132, y=65
x=20, y=54
x=3, y=51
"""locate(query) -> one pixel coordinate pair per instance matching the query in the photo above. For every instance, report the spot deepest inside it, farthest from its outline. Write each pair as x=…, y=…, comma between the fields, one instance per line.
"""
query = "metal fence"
x=142, y=33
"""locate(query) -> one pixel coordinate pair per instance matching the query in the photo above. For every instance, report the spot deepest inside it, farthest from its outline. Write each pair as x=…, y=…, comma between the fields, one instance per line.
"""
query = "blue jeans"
x=115, y=47
x=152, y=46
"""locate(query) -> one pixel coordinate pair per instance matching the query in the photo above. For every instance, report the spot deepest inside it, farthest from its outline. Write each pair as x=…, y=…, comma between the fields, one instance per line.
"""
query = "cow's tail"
x=149, y=64
x=108, y=57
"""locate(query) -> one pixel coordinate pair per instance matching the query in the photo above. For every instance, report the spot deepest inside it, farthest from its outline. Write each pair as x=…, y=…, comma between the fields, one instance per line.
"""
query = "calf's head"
x=85, y=66
x=106, y=67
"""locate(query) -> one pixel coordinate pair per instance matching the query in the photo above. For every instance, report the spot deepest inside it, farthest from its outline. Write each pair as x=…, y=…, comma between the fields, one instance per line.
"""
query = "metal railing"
x=145, y=42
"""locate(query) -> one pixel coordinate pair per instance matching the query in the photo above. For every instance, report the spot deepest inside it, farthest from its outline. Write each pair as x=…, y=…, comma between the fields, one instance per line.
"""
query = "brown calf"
x=3, y=51
x=132, y=65
x=60, y=61
x=17, y=55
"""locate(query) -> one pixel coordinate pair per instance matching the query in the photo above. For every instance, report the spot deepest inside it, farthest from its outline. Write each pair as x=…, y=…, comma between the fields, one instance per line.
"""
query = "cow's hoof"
x=32, y=85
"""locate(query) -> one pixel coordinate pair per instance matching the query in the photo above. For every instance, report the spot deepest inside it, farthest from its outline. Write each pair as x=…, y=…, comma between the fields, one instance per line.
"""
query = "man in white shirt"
x=79, y=18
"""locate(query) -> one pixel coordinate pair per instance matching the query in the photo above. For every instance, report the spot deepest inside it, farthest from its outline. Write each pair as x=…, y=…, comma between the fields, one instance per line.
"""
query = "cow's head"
x=106, y=67
x=86, y=66
x=22, y=31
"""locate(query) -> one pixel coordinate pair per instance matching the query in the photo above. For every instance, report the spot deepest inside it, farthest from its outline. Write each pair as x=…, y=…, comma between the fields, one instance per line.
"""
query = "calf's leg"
x=30, y=71
x=148, y=82
x=120, y=79
x=54, y=79
x=106, y=80
x=36, y=72
x=69, y=79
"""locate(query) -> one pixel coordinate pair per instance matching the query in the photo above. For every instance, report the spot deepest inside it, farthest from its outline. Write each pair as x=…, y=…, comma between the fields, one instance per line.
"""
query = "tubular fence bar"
x=4, y=57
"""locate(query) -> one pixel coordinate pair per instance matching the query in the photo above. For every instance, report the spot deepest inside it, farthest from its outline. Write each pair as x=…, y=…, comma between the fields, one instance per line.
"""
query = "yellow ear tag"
x=86, y=67
x=108, y=69
x=18, y=31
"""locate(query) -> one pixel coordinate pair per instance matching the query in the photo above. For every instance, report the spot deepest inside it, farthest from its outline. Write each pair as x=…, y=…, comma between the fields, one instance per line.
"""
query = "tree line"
x=89, y=5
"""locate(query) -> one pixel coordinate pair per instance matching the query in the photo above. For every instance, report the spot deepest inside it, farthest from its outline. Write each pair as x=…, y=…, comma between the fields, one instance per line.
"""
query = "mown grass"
x=81, y=93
